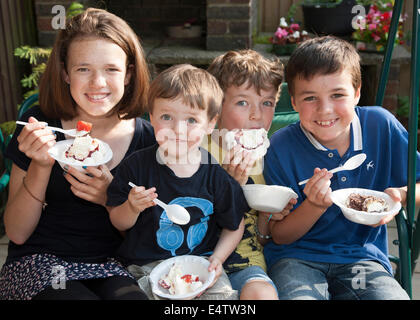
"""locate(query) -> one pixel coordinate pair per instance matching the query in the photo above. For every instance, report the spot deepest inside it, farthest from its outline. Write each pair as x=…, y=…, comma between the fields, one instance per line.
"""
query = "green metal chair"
x=4, y=179
x=408, y=231
x=284, y=113
x=29, y=102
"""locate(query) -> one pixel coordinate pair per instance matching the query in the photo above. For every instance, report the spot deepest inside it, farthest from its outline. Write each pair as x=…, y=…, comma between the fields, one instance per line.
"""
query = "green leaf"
x=74, y=9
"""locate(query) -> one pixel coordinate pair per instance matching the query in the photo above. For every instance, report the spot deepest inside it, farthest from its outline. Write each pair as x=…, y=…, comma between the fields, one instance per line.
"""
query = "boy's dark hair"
x=54, y=93
x=323, y=56
x=196, y=87
x=239, y=67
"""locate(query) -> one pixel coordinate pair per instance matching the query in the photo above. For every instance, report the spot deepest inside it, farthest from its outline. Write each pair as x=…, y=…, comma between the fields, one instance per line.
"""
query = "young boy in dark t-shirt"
x=184, y=104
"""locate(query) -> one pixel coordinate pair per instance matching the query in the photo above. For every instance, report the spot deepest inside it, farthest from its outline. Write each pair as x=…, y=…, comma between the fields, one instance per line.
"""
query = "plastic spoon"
x=350, y=164
x=176, y=213
x=69, y=132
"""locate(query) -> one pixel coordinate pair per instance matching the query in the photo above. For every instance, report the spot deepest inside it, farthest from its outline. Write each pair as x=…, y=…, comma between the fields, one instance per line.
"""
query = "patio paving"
x=392, y=235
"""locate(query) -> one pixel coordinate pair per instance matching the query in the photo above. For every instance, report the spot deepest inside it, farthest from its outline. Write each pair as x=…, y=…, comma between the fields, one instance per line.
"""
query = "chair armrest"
x=403, y=273
x=4, y=180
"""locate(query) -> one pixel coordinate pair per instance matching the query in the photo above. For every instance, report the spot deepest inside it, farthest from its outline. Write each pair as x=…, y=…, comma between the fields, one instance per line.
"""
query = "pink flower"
x=294, y=26
x=376, y=37
x=377, y=25
x=280, y=33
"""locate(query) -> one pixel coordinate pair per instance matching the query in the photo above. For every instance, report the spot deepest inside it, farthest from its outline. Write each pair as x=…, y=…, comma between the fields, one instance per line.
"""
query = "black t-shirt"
x=213, y=199
x=70, y=227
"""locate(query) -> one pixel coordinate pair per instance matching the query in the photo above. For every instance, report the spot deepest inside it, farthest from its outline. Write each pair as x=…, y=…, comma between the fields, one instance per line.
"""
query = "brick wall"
x=230, y=24
x=392, y=88
x=226, y=24
x=150, y=18
x=46, y=34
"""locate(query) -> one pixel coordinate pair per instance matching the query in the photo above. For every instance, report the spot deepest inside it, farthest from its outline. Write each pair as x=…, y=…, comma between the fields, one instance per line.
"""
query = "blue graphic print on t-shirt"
x=170, y=236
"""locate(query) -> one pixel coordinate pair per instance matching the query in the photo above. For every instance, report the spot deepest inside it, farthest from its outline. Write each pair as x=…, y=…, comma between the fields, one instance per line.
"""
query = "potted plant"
x=331, y=16
x=372, y=35
x=287, y=36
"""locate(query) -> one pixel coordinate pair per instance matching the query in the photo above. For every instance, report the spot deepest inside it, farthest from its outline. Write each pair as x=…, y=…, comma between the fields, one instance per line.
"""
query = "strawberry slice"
x=187, y=278
x=163, y=284
x=83, y=126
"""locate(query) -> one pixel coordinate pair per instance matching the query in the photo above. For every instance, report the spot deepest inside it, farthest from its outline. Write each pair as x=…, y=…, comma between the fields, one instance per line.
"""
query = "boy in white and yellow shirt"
x=251, y=85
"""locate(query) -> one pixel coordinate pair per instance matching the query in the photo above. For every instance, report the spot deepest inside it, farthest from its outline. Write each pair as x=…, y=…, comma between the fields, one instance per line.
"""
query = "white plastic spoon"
x=350, y=164
x=176, y=213
x=69, y=132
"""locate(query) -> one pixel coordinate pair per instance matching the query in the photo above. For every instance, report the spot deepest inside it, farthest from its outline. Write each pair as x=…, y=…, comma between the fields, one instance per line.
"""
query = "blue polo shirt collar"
x=356, y=131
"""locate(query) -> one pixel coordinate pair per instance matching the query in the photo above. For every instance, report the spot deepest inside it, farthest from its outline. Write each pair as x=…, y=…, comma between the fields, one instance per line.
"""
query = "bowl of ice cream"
x=364, y=206
x=268, y=198
x=181, y=278
x=83, y=151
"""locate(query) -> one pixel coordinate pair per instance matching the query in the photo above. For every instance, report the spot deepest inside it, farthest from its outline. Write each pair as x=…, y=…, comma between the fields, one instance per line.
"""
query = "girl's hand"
x=318, y=190
x=34, y=141
x=91, y=186
x=238, y=163
x=396, y=194
x=140, y=199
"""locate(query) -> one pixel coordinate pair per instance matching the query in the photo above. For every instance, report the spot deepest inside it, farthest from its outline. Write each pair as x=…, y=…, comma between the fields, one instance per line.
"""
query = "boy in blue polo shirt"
x=316, y=253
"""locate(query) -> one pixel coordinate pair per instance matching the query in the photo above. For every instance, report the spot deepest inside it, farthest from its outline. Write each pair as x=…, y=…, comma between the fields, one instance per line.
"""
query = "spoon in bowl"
x=350, y=164
x=69, y=132
x=176, y=213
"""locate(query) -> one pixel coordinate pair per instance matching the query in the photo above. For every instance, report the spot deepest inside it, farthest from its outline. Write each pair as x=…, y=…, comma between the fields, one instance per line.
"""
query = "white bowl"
x=339, y=197
x=189, y=265
x=268, y=198
x=58, y=150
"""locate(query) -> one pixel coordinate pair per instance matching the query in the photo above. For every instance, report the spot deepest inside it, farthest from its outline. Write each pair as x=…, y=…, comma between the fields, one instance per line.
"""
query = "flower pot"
x=284, y=49
x=330, y=20
x=368, y=47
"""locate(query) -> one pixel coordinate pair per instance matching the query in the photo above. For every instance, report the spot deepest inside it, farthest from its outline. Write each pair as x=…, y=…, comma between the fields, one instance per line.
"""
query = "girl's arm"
x=26, y=198
x=23, y=211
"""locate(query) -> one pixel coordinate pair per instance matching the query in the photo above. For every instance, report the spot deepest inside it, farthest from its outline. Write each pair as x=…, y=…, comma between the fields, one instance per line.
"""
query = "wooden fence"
x=17, y=27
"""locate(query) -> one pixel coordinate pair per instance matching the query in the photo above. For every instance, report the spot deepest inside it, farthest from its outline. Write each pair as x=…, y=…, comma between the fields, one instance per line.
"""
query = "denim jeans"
x=306, y=280
x=239, y=278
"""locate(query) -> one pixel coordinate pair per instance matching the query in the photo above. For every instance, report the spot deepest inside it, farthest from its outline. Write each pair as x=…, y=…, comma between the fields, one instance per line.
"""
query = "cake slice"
x=83, y=146
x=252, y=140
x=366, y=203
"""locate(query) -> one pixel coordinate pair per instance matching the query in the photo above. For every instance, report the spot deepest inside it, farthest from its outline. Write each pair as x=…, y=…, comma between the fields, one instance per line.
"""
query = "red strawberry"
x=187, y=278
x=163, y=284
x=83, y=126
